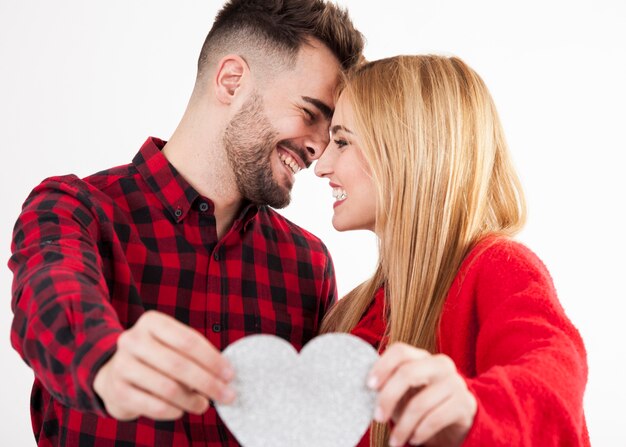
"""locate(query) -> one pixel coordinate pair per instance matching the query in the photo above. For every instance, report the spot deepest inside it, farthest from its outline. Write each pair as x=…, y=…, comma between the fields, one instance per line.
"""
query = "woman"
x=476, y=348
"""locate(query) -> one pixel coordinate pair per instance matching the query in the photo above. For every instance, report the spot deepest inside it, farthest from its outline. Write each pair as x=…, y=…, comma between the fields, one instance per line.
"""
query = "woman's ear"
x=232, y=72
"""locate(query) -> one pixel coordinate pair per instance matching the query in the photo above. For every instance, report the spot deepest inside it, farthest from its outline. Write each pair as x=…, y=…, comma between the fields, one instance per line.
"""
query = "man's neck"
x=200, y=158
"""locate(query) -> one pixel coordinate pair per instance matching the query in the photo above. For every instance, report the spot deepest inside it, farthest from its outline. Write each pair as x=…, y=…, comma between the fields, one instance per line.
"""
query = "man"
x=130, y=282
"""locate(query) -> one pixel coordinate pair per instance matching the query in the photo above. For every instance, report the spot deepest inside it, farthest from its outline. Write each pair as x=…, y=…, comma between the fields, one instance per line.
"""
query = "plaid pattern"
x=90, y=256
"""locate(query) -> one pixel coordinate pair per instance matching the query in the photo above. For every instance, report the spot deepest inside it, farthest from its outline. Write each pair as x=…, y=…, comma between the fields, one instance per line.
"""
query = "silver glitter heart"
x=317, y=399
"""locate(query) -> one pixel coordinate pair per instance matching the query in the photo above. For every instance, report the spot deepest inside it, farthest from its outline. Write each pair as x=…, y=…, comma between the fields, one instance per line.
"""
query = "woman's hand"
x=424, y=395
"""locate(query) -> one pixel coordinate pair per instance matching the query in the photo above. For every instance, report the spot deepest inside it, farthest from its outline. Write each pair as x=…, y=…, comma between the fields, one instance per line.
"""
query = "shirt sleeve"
x=531, y=366
x=328, y=294
x=64, y=326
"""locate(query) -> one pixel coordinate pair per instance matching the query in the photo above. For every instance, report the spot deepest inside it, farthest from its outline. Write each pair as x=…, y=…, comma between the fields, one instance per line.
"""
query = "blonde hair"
x=444, y=179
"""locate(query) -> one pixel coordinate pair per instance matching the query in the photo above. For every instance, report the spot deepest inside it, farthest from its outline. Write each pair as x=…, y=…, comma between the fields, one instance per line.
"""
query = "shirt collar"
x=247, y=214
x=176, y=194
x=167, y=184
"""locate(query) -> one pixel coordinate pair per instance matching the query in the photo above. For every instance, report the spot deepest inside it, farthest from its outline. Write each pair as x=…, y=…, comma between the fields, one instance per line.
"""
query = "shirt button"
x=204, y=206
x=216, y=256
x=217, y=327
x=178, y=212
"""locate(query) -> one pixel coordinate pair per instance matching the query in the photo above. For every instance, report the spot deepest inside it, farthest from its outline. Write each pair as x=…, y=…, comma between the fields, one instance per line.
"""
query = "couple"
x=130, y=282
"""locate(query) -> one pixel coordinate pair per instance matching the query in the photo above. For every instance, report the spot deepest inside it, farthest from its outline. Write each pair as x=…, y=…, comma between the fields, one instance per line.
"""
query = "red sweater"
x=510, y=339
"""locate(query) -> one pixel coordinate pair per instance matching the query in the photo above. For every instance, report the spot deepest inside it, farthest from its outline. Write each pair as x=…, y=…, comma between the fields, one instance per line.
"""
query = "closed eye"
x=310, y=116
x=340, y=143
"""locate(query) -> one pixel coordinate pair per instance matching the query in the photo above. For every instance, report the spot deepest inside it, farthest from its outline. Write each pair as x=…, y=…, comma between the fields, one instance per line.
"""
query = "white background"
x=82, y=84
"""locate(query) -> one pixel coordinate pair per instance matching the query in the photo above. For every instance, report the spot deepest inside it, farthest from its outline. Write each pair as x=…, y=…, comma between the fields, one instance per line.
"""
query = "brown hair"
x=444, y=179
x=277, y=29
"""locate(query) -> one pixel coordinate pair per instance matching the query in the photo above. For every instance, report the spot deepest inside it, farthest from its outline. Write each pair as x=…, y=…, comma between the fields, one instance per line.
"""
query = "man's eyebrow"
x=339, y=127
x=326, y=111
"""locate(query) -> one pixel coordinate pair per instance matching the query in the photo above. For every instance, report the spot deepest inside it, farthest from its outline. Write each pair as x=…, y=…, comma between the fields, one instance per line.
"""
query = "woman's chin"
x=342, y=225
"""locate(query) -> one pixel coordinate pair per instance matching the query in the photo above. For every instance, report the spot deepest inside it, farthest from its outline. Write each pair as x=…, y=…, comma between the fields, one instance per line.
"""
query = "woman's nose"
x=323, y=166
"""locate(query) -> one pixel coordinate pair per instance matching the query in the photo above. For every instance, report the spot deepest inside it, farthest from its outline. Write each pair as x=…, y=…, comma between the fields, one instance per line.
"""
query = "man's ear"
x=231, y=74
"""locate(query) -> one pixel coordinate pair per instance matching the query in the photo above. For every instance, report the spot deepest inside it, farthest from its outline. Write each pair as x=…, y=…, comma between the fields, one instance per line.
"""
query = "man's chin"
x=281, y=205
x=278, y=198
x=278, y=203
x=280, y=195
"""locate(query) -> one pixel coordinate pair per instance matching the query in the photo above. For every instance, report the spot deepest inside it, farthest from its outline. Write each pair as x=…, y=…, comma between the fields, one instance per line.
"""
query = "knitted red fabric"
x=510, y=339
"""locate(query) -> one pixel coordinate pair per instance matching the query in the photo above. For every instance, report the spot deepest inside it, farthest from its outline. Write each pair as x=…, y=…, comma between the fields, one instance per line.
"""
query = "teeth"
x=339, y=194
x=287, y=160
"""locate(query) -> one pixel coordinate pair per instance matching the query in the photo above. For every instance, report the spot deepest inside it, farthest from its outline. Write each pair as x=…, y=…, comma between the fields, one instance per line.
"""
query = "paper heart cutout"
x=317, y=398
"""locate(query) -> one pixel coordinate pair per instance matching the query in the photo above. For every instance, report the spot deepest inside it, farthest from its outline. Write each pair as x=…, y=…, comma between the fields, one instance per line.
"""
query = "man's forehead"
x=317, y=63
x=313, y=79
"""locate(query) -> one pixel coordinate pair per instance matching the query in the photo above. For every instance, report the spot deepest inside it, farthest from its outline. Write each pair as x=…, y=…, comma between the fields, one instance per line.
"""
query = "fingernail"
x=393, y=442
x=228, y=373
x=228, y=395
x=372, y=382
x=378, y=414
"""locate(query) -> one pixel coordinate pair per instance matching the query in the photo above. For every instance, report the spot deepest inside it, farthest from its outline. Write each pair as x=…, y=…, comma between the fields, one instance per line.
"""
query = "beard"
x=249, y=140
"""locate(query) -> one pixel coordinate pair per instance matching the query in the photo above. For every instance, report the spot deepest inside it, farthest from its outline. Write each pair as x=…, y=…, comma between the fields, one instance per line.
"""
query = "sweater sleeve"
x=64, y=326
x=531, y=367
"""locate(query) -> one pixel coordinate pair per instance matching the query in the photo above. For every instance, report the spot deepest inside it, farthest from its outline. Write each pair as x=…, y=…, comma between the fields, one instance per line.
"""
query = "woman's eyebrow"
x=339, y=127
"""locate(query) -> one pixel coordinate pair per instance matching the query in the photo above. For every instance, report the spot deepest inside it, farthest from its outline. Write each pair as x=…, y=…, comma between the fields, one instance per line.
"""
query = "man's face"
x=280, y=130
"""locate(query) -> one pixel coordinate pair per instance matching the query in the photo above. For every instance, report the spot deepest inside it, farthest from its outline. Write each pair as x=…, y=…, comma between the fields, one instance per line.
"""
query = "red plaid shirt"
x=90, y=256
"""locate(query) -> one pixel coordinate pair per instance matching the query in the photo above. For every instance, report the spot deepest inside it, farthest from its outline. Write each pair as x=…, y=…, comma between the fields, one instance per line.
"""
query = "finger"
x=189, y=342
x=391, y=360
x=442, y=416
x=417, y=408
x=174, y=365
x=163, y=387
x=404, y=400
x=137, y=402
x=407, y=377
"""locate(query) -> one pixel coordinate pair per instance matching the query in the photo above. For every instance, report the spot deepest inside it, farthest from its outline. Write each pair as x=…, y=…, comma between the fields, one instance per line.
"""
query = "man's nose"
x=316, y=145
x=314, y=150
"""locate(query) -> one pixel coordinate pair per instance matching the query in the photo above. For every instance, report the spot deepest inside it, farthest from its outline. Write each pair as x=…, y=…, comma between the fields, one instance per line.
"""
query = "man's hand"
x=161, y=369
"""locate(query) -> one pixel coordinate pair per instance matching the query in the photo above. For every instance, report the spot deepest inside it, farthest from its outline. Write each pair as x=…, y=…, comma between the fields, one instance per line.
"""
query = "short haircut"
x=277, y=29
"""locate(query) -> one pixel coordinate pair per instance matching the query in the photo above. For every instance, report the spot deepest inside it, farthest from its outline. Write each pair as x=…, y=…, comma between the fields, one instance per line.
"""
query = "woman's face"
x=344, y=165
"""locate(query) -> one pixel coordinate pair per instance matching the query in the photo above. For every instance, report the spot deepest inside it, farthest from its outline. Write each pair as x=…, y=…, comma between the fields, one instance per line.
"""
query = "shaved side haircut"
x=269, y=33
